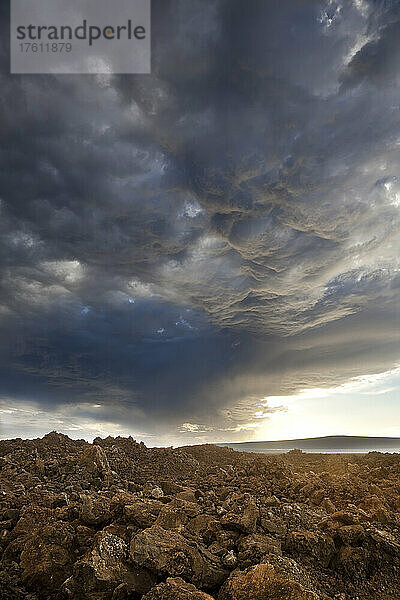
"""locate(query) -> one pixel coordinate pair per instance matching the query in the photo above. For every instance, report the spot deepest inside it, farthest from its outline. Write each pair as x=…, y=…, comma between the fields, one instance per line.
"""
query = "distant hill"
x=330, y=443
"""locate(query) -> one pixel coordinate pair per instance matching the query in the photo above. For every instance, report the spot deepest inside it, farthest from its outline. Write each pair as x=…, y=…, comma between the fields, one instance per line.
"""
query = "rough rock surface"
x=263, y=582
x=176, y=589
x=169, y=553
x=105, y=568
x=114, y=520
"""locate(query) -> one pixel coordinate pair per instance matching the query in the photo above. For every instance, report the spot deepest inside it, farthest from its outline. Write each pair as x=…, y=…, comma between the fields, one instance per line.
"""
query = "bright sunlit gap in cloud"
x=366, y=405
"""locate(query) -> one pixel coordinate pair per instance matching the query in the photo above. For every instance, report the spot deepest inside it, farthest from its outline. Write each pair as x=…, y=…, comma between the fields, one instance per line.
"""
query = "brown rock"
x=274, y=526
x=143, y=513
x=224, y=541
x=381, y=516
x=242, y=516
x=351, y=535
x=95, y=510
x=328, y=506
x=169, y=553
x=263, y=582
x=176, y=589
x=188, y=495
x=192, y=509
x=47, y=557
x=317, y=496
x=345, y=517
x=94, y=459
x=203, y=525
x=171, y=517
x=230, y=560
x=31, y=518
x=153, y=491
x=121, y=499
x=272, y=501
x=253, y=548
x=308, y=545
x=352, y=563
x=105, y=568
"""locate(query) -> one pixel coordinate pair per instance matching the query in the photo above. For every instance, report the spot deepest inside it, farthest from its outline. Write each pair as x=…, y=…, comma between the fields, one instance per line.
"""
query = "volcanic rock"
x=263, y=582
x=47, y=557
x=176, y=589
x=115, y=520
x=169, y=553
x=94, y=460
x=104, y=569
x=253, y=548
x=308, y=545
x=242, y=515
x=143, y=513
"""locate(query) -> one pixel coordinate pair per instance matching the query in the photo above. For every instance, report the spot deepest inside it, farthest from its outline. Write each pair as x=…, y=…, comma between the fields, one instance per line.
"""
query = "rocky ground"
x=114, y=520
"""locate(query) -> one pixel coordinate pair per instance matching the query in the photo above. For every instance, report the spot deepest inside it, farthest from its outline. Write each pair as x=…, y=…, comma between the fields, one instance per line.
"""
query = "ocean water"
x=318, y=450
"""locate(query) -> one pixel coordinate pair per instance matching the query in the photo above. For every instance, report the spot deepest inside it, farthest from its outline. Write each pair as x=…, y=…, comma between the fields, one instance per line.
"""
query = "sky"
x=210, y=252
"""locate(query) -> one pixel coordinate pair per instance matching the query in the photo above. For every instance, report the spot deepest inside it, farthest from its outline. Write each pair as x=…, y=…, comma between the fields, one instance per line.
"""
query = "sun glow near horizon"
x=353, y=408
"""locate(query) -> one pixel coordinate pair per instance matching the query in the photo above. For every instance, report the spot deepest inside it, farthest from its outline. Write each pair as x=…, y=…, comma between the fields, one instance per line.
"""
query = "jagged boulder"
x=252, y=548
x=242, y=514
x=168, y=553
x=171, y=517
x=310, y=546
x=263, y=582
x=94, y=460
x=104, y=569
x=143, y=513
x=176, y=514
x=47, y=557
x=95, y=510
x=153, y=491
x=176, y=589
x=204, y=526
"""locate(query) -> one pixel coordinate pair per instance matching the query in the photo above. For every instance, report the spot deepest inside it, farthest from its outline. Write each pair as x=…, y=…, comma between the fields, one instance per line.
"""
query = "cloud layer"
x=176, y=247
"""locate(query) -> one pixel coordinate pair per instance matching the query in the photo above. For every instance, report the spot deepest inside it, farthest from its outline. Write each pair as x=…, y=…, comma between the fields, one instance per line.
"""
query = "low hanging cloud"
x=176, y=247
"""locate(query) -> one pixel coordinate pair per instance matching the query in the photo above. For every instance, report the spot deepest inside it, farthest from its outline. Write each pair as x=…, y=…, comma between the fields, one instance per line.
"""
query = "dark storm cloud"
x=176, y=247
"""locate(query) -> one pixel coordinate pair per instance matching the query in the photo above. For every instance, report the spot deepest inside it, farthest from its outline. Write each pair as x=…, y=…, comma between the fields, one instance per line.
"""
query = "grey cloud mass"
x=175, y=247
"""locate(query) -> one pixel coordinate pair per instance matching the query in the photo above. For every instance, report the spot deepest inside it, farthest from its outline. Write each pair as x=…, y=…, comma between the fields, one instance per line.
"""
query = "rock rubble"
x=114, y=520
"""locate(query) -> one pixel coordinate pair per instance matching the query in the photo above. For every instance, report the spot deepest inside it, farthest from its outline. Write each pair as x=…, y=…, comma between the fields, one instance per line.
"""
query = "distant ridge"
x=330, y=443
